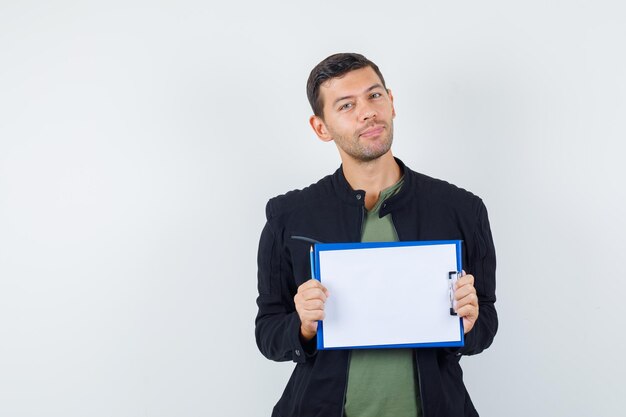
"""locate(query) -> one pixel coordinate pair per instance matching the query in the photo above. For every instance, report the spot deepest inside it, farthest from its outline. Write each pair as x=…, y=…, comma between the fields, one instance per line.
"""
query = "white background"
x=139, y=142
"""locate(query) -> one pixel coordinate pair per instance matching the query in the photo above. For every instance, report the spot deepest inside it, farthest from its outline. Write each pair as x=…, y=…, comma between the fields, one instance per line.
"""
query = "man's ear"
x=393, y=109
x=319, y=127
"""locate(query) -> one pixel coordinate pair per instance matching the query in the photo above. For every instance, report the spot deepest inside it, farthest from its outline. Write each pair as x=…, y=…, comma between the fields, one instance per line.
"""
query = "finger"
x=312, y=315
x=468, y=299
x=465, y=280
x=470, y=311
x=311, y=293
x=464, y=291
x=312, y=305
x=314, y=294
x=312, y=283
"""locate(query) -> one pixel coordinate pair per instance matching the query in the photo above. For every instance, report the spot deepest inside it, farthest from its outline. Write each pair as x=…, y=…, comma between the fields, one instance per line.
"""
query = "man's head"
x=352, y=107
x=335, y=66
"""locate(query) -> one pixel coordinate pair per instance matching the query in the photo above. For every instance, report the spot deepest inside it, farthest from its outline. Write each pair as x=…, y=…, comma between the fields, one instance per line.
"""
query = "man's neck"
x=372, y=176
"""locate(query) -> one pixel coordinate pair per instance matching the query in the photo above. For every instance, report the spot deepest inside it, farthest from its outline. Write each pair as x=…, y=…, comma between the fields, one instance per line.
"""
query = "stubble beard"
x=356, y=148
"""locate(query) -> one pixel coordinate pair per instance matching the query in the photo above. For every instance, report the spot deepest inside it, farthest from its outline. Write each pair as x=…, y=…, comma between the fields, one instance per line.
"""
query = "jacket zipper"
x=419, y=381
x=345, y=389
x=394, y=226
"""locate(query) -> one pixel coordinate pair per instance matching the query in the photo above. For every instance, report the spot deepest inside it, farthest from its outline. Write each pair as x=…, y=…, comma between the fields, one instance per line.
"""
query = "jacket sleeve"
x=482, y=264
x=277, y=325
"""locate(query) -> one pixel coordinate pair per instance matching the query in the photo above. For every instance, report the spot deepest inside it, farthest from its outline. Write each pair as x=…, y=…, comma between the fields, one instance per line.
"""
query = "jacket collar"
x=357, y=197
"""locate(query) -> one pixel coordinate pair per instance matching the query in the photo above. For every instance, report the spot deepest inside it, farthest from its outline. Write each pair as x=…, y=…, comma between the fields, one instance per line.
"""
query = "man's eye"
x=345, y=106
x=376, y=95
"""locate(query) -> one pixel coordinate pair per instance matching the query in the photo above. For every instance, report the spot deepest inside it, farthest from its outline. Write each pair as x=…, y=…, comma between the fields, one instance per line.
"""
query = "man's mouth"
x=372, y=131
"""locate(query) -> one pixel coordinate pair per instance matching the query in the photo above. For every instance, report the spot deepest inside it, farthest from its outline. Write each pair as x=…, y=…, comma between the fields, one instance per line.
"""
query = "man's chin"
x=373, y=156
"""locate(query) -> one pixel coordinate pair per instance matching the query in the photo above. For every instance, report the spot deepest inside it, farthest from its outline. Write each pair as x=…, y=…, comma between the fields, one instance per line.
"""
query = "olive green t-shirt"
x=382, y=382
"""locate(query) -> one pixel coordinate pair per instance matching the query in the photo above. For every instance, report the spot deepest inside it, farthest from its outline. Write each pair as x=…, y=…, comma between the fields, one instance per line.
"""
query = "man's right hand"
x=310, y=301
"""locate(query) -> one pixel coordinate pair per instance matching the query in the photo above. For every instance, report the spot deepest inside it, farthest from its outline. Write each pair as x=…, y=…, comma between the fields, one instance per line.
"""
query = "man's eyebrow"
x=373, y=87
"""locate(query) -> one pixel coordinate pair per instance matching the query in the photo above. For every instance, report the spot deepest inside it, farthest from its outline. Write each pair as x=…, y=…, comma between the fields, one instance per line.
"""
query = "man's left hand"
x=466, y=301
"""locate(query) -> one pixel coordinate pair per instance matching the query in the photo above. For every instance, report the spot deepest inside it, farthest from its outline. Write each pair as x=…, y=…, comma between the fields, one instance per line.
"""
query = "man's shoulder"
x=295, y=199
x=440, y=186
x=440, y=191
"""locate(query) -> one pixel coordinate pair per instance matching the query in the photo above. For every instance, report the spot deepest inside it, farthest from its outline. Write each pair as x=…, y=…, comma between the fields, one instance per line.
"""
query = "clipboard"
x=388, y=294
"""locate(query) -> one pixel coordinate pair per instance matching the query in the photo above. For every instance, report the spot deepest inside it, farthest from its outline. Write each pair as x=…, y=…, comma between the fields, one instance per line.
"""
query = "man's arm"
x=278, y=325
x=477, y=292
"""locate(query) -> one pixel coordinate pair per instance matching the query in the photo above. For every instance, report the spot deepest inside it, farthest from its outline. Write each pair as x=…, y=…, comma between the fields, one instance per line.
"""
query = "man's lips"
x=372, y=131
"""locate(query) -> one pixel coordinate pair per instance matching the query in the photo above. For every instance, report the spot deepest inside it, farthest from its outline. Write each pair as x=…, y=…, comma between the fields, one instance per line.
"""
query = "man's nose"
x=367, y=112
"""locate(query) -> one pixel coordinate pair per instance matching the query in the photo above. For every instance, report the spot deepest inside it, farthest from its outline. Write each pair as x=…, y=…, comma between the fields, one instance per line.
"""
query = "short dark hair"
x=335, y=66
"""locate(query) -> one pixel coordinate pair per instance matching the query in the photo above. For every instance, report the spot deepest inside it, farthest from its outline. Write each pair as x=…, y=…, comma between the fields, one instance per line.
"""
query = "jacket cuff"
x=300, y=352
x=469, y=346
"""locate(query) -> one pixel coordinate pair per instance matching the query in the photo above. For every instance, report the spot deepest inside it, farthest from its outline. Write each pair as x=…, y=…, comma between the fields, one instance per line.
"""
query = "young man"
x=371, y=197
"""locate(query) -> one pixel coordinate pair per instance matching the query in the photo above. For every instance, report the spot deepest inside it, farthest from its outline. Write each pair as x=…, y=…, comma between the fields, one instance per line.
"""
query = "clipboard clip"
x=453, y=276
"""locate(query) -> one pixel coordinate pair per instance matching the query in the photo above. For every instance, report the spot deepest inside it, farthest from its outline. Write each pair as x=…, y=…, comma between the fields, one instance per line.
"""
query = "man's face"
x=358, y=115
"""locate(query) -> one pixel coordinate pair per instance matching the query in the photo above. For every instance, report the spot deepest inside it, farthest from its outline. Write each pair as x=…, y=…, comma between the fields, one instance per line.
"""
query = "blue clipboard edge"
x=315, y=274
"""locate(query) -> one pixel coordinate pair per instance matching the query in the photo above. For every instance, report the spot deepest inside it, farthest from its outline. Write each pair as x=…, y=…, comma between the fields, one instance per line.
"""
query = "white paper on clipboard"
x=389, y=295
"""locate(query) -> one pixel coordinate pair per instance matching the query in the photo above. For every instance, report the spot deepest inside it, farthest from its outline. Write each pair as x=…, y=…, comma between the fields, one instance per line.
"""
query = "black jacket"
x=331, y=211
